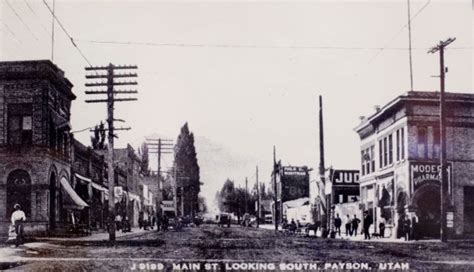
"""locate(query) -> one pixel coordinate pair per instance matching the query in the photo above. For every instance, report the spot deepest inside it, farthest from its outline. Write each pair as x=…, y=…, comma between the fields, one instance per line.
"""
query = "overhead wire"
x=21, y=19
x=67, y=33
x=11, y=32
x=399, y=31
x=37, y=16
x=250, y=46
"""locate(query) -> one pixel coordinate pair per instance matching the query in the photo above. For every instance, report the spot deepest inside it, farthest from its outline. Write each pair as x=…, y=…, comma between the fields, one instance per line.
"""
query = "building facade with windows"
x=400, y=150
x=35, y=155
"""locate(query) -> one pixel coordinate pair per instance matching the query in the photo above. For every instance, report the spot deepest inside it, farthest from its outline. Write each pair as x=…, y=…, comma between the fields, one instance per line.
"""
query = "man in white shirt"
x=18, y=217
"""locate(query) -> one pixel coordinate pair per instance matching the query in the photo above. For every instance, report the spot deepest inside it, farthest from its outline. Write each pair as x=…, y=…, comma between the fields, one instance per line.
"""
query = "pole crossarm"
x=106, y=100
x=115, y=75
x=440, y=45
x=115, y=92
x=114, y=67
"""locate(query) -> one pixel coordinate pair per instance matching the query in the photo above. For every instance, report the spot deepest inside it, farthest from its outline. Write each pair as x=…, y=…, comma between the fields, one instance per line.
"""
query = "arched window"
x=19, y=191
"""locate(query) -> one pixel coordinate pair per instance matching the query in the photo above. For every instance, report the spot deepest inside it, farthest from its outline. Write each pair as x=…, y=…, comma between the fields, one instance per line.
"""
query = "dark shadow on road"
x=119, y=243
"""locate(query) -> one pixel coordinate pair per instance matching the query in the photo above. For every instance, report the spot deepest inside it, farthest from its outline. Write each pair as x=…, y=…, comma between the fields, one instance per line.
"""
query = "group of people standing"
x=352, y=225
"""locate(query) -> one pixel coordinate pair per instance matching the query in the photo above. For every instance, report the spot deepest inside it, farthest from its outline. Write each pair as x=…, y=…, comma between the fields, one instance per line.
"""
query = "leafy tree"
x=185, y=161
x=202, y=204
x=98, y=139
x=144, y=158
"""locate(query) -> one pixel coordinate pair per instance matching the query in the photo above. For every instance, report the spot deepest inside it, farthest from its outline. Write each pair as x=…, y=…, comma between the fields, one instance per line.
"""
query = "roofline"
x=411, y=96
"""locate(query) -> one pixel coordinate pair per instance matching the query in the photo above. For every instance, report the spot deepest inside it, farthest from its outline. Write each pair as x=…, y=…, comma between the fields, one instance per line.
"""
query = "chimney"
x=377, y=108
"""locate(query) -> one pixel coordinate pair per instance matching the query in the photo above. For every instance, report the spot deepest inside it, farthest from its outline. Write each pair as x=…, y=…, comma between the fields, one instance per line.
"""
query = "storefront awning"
x=93, y=184
x=71, y=200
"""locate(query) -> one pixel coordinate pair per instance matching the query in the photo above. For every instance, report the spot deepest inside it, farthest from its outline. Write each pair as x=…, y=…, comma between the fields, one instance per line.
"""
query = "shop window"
x=20, y=124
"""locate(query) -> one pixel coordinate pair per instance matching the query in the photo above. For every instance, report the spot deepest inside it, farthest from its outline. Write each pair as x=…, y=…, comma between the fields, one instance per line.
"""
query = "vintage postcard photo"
x=236, y=135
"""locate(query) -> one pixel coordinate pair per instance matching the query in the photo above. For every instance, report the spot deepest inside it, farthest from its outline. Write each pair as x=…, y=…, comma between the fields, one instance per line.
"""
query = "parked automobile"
x=223, y=219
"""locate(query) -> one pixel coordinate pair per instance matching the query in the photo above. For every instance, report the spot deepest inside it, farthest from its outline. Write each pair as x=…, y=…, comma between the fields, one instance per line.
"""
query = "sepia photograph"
x=236, y=135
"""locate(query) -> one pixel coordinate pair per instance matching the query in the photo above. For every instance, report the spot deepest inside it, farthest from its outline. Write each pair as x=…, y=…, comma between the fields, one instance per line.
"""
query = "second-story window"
x=390, y=149
x=20, y=125
x=385, y=152
x=422, y=142
x=380, y=154
x=372, y=157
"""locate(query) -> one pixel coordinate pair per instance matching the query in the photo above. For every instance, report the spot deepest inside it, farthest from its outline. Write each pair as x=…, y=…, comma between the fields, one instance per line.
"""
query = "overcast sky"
x=247, y=75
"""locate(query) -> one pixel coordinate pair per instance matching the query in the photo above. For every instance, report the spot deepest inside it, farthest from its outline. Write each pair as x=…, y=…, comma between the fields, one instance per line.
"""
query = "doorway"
x=427, y=200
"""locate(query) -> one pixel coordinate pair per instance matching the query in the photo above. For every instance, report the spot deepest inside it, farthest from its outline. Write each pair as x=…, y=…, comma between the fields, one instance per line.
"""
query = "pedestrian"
x=145, y=220
x=355, y=225
x=18, y=217
x=126, y=225
x=406, y=227
x=165, y=222
x=382, y=228
x=140, y=219
x=367, y=222
x=348, y=226
x=292, y=226
x=118, y=221
x=414, y=227
x=337, y=224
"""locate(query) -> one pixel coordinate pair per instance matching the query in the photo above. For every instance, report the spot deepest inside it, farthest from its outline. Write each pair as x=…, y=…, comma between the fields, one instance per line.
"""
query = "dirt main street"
x=237, y=248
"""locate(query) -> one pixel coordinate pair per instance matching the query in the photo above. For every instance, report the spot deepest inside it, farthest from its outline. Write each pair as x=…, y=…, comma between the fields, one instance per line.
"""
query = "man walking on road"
x=355, y=225
x=337, y=224
x=18, y=217
x=348, y=226
x=367, y=222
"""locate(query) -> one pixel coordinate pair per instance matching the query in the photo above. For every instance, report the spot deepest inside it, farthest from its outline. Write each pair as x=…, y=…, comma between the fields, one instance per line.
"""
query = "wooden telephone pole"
x=111, y=92
x=445, y=197
x=275, y=197
x=159, y=147
x=259, y=208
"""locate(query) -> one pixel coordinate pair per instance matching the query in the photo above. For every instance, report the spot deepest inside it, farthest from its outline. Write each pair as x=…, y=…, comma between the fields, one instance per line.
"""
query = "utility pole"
x=259, y=210
x=409, y=46
x=110, y=76
x=246, y=195
x=159, y=146
x=275, y=197
x=322, y=167
x=445, y=196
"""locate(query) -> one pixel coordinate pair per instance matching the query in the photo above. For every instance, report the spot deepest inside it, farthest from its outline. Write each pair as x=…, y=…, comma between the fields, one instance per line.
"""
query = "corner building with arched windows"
x=35, y=155
x=400, y=158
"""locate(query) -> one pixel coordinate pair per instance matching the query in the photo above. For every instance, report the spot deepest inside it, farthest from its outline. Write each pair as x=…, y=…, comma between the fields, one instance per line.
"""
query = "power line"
x=250, y=46
x=19, y=18
x=399, y=31
x=36, y=15
x=67, y=33
x=11, y=32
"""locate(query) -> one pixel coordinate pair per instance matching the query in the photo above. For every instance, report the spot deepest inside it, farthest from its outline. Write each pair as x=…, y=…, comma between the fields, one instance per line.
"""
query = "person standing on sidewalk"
x=355, y=225
x=18, y=217
x=337, y=224
x=348, y=226
x=367, y=222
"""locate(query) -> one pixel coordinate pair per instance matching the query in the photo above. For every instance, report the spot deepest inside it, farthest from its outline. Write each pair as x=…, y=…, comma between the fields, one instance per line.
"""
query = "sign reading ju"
x=423, y=173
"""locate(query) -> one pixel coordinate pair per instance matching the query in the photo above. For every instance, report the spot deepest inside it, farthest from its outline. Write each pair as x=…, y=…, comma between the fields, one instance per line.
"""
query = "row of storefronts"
x=58, y=181
x=400, y=168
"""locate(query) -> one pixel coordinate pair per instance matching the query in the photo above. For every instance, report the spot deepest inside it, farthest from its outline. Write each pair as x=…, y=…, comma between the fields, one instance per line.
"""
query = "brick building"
x=400, y=149
x=35, y=155
x=89, y=179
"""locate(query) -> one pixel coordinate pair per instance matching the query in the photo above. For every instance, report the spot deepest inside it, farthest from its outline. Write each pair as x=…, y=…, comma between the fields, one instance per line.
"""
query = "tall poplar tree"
x=187, y=170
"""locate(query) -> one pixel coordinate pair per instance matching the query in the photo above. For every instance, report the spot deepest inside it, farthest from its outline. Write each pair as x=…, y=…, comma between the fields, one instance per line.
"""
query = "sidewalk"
x=359, y=237
x=98, y=236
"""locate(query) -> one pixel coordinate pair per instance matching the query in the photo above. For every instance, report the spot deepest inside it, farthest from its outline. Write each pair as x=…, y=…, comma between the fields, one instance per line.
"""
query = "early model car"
x=223, y=219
